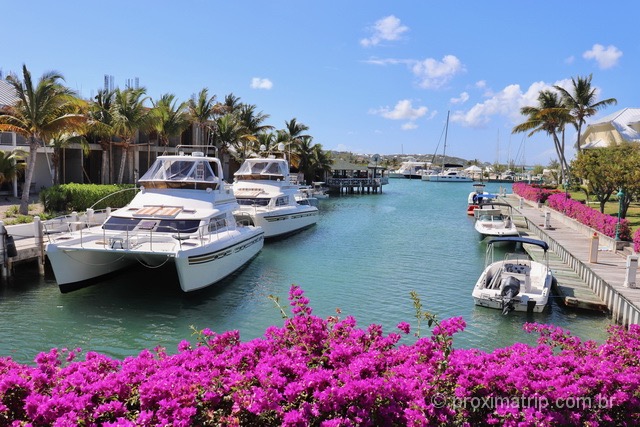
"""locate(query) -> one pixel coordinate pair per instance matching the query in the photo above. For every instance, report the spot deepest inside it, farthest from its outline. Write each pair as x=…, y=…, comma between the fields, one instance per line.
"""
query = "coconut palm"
x=41, y=110
x=170, y=118
x=129, y=116
x=581, y=102
x=100, y=127
x=9, y=166
x=549, y=116
x=202, y=110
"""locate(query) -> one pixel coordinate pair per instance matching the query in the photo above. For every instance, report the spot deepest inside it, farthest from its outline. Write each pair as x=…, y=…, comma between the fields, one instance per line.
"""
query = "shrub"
x=80, y=197
x=535, y=193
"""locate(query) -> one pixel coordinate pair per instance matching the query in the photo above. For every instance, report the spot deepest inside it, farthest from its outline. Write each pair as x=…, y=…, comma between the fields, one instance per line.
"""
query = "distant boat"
x=410, y=169
x=491, y=222
x=450, y=172
x=516, y=283
x=477, y=197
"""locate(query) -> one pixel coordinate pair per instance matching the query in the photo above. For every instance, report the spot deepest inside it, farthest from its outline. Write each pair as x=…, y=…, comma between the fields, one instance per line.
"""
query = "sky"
x=366, y=76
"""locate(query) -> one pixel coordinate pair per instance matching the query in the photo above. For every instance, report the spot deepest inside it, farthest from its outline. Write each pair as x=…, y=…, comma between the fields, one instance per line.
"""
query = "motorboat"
x=410, y=169
x=316, y=190
x=182, y=215
x=269, y=199
x=516, y=283
x=490, y=221
x=478, y=196
x=451, y=173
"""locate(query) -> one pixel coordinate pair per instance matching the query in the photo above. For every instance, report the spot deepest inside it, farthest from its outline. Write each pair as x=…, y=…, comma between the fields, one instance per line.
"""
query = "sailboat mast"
x=444, y=150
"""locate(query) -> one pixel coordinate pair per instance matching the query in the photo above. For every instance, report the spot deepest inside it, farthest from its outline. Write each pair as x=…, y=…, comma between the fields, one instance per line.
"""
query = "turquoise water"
x=364, y=256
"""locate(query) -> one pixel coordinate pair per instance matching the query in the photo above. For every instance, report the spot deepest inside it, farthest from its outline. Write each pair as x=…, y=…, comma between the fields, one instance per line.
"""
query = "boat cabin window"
x=178, y=225
x=282, y=201
x=180, y=170
x=217, y=223
x=253, y=201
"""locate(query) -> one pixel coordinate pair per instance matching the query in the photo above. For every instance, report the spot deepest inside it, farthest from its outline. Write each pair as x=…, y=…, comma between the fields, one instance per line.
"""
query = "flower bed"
x=534, y=193
x=328, y=372
x=605, y=224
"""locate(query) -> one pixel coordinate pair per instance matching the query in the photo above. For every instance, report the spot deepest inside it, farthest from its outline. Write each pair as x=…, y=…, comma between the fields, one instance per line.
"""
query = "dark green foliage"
x=80, y=197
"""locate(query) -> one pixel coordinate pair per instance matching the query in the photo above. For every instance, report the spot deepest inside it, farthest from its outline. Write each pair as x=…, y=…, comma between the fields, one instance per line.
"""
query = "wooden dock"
x=585, y=279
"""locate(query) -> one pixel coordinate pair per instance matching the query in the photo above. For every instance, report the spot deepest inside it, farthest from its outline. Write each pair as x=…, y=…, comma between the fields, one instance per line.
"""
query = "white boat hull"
x=278, y=223
x=77, y=259
x=449, y=178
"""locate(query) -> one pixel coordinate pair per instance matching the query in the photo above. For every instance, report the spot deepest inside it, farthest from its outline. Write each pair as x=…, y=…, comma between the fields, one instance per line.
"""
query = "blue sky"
x=365, y=76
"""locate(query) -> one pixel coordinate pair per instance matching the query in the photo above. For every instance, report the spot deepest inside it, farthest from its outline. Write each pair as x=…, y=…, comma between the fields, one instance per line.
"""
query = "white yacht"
x=451, y=173
x=183, y=215
x=410, y=169
x=516, y=283
x=269, y=199
x=491, y=222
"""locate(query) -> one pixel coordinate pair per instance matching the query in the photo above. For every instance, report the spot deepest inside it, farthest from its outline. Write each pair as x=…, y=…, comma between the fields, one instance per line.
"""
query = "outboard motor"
x=509, y=288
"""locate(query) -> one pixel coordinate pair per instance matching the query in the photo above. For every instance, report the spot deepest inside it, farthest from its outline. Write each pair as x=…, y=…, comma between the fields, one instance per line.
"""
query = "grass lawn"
x=611, y=208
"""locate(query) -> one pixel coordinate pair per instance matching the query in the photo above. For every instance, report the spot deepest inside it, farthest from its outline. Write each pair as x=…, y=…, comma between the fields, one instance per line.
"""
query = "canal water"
x=364, y=257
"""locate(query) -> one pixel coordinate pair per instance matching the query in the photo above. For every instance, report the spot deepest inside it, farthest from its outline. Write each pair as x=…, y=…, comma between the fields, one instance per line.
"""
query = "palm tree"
x=202, y=110
x=60, y=140
x=100, y=126
x=294, y=132
x=9, y=167
x=41, y=110
x=550, y=116
x=129, y=115
x=581, y=102
x=170, y=118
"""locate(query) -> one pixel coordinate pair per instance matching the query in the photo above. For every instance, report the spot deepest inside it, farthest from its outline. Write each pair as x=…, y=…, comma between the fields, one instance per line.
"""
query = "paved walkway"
x=609, y=271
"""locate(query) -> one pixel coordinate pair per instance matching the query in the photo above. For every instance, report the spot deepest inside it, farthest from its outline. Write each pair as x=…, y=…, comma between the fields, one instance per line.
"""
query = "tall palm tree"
x=202, y=109
x=129, y=116
x=549, y=116
x=100, y=127
x=295, y=132
x=581, y=102
x=41, y=110
x=170, y=118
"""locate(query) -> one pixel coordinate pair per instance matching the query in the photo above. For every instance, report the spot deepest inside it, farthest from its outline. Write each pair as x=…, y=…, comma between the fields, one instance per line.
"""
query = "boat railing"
x=73, y=222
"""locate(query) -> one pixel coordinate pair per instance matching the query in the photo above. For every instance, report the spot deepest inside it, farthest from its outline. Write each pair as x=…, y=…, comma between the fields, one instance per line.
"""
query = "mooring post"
x=593, y=250
x=547, y=220
x=520, y=203
x=74, y=221
x=632, y=268
x=3, y=250
x=89, y=217
x=38, y=233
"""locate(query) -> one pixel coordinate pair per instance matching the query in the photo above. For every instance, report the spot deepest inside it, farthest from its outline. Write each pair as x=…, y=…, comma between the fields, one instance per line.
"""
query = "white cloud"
x=605, y=57
x=409, y=126
x=385, y=29
x=464, y=97
x=506, y=103
x=434, y=74
x=403, y=110
x=569, y=60
x=260, y=83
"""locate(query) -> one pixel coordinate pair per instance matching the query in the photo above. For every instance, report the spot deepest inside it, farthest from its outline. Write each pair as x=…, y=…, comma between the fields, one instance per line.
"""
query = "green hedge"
x=80, y=197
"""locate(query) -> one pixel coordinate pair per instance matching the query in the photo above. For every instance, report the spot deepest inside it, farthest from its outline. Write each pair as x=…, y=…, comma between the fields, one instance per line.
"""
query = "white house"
x=621, y=126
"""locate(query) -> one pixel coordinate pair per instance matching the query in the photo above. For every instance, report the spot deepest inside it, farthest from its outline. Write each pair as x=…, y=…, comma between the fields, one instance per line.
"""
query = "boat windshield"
x=180, y=170
x=263, y=167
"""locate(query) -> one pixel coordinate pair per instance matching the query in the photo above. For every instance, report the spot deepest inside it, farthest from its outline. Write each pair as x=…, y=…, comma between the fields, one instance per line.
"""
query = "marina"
x=364, y=256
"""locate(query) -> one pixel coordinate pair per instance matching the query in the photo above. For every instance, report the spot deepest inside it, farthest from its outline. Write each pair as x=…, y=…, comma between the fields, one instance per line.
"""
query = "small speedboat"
x=268, y=198
x=492, y=222
x=182, y=215
x=478, y=197
x=516, y=283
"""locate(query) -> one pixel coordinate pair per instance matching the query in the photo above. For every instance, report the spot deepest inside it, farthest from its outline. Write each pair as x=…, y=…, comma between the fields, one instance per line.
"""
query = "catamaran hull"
x=197, y=268
x=279, y=224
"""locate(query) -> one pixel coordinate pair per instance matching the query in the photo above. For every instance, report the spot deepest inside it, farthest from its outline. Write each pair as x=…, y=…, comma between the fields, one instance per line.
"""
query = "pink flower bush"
x=532, y=192
x=328, y=372
x=605, y=224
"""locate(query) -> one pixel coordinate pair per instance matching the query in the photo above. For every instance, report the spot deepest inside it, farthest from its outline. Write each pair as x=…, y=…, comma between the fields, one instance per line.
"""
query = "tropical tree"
x=100, y=128
x=9, y=165
x=202, y=110
x=41, y=110
x=59, y=141
x=129, y=116
x=170, y=118
x=549, y=116
x=581, y=102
